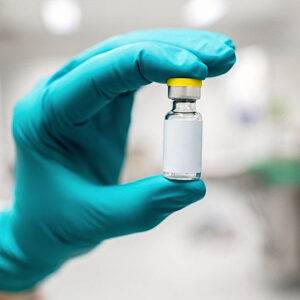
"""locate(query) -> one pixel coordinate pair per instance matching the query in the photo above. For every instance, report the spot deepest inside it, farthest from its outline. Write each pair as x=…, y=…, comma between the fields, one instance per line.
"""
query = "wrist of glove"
x=18, y=270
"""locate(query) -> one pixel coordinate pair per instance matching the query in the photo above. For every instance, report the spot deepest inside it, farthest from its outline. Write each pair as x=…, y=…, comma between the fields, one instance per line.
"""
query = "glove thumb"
x=143, y=204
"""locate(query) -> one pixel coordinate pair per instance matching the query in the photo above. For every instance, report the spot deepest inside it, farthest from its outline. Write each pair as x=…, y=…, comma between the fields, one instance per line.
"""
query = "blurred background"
x=243, y=240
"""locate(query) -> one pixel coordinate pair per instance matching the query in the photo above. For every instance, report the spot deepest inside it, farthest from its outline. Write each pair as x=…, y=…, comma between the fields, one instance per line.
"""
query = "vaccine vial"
x=182, y=149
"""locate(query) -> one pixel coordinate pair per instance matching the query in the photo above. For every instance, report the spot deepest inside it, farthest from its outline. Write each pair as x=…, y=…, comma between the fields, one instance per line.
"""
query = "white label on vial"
x=182, y=146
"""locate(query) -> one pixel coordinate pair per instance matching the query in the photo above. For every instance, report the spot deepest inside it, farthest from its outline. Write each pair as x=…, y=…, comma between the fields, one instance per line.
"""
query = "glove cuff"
x=16, y=273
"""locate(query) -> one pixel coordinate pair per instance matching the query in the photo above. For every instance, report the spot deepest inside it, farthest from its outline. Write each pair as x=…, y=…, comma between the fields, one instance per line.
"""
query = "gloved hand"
x=70, y=134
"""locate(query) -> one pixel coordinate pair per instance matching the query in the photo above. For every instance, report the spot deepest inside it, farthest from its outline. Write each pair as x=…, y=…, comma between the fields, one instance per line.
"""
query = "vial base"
x=182, y=176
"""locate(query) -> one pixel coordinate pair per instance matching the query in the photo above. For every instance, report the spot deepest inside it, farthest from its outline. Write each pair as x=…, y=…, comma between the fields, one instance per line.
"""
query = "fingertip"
x=192, y=67
x=172, y=62
x=224, y=39
x=196, y=188
x=231, y=44
x=226, y=61
x=193, y=188
x=201, y=188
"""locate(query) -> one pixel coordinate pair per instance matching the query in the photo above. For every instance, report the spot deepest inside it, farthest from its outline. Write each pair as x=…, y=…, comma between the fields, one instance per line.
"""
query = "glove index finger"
x=214, y=49
x=81, y=93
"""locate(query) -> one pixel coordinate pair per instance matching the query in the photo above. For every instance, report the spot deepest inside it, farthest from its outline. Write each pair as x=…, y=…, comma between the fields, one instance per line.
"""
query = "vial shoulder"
x=193, y=116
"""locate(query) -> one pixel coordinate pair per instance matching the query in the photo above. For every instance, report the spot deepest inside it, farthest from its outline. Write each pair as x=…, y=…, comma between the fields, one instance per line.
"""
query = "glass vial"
x=182, y=155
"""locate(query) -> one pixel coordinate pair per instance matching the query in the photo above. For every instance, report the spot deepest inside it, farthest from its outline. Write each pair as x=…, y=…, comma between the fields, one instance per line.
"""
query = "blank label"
x=182, y=146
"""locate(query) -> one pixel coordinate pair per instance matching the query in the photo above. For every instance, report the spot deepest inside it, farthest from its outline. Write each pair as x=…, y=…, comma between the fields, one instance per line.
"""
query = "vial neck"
x=184, y=106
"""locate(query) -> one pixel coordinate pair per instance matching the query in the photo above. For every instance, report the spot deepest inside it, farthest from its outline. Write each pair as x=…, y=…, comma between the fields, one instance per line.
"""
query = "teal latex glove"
x=70, y=135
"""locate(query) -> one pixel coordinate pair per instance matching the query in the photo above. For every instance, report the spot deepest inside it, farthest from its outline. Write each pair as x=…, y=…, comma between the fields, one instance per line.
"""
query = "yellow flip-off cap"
x=184, y=82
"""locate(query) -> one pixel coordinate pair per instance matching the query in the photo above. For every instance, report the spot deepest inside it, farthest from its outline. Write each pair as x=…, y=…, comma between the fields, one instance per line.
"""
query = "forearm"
x=20, y=296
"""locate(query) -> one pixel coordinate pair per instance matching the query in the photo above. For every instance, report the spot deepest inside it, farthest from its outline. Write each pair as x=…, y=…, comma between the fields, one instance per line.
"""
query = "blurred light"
x=203, y=13
x=61, y=16
x=249, y=84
